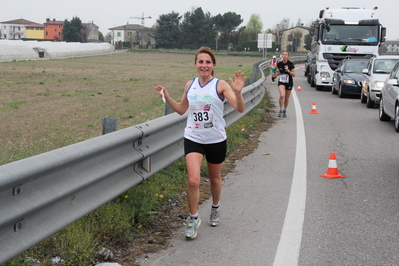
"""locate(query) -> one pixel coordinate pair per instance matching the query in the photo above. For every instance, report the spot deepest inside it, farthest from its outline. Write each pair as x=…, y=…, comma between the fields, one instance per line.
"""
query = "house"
x=293, y=39
x=14, y=29
x=90, y=32
x=53, y=30
x=34, y=31
x=136, y=34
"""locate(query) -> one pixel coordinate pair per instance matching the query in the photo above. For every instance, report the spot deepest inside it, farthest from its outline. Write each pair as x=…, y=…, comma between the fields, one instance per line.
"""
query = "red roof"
x=19, y=21
x=35, y=25
x=54, y=22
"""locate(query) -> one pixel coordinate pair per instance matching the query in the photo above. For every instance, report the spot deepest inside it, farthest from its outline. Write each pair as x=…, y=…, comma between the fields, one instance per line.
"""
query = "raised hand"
x=239, y=81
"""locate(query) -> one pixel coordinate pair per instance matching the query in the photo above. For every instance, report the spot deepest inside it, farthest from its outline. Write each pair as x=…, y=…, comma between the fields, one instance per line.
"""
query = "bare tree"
x=278, y=32
x=295, y=39
x=299, y=23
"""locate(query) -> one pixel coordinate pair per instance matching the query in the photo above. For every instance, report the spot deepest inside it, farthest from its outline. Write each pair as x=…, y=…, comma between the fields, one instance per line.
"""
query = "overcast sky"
x=112, y=13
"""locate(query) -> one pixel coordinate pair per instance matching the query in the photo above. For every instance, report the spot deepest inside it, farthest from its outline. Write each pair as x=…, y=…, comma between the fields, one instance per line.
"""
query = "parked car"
x=309, y=59
x=375, y=74
x=348, y=77
x=389, y=98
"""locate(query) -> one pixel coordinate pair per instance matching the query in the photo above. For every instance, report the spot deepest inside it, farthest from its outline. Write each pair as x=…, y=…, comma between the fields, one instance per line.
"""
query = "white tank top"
x=205, y=122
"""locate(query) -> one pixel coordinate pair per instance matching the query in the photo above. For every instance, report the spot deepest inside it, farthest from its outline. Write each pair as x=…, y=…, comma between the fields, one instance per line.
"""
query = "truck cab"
x=341, y=33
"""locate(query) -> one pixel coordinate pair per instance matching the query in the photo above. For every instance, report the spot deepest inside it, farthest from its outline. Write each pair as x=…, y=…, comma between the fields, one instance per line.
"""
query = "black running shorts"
x=287, y=86
x=214, y=153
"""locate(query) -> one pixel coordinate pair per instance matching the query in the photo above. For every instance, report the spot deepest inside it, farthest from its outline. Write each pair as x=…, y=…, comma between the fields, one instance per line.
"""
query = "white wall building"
x=134, y=33
x=14, y=29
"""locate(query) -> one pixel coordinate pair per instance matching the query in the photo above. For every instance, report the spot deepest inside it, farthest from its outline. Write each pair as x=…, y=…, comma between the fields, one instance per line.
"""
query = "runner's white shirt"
x=205, y=122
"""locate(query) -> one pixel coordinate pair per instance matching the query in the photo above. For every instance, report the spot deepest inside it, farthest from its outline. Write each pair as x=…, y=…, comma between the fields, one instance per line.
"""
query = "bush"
x=76, y=244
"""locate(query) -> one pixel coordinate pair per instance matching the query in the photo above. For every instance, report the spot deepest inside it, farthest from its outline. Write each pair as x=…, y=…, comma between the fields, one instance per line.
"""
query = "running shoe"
x=215, y=217
x=280, y=114
x=191, y=228
x=284, y=114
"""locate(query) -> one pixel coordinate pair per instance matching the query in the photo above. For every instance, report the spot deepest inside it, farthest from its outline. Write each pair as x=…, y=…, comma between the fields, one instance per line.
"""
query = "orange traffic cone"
x=299, y=88
x=314, y=110
x=332, y=170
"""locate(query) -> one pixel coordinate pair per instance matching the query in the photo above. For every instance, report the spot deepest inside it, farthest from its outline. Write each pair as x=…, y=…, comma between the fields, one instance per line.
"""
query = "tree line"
x=197, y=28
x=222, y=32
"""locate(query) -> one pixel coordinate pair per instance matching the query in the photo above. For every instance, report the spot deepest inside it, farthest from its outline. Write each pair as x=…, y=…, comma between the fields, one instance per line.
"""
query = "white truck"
x=341, y=33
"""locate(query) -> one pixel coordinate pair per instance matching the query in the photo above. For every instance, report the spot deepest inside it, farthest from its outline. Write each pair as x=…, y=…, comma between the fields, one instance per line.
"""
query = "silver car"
x=389, y=98
x=377, y=71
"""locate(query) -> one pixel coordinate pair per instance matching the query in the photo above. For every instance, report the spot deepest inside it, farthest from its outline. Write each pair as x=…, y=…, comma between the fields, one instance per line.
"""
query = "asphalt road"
x=278, y=210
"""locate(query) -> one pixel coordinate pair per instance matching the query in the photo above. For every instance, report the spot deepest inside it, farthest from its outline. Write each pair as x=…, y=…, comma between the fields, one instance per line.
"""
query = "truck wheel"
x=370, y=103
x=312, y=83
x=383, y=116
x=363, y=98
x=333, y=90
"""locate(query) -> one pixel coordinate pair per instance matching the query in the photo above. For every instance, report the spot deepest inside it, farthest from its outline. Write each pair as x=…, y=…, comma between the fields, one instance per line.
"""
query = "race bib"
x=284, y=78
x=201, y=117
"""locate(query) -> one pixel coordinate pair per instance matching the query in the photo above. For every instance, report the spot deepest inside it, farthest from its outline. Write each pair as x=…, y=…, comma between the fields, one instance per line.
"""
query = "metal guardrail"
x=42, y=194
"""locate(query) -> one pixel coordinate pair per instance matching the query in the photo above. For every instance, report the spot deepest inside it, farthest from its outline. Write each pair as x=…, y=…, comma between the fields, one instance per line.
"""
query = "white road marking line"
x=290, y=240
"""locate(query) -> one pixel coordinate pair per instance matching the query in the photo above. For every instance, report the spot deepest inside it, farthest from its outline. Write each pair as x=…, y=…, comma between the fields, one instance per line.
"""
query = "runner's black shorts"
x=214, y=153
x=288, y=86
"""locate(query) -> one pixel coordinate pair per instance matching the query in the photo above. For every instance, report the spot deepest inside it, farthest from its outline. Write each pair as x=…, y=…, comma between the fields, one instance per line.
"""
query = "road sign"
x=265, y=40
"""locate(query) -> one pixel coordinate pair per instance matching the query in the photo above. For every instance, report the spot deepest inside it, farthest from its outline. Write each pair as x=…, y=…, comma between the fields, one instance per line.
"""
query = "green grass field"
x=48, y=104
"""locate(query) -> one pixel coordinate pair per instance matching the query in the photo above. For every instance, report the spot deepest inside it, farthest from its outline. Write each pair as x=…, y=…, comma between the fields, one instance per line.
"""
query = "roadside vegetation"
x=54, y=103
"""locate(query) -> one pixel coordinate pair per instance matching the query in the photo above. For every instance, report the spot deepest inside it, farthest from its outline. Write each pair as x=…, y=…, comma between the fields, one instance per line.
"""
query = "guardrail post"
x=168, y=110
x=110, y=125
